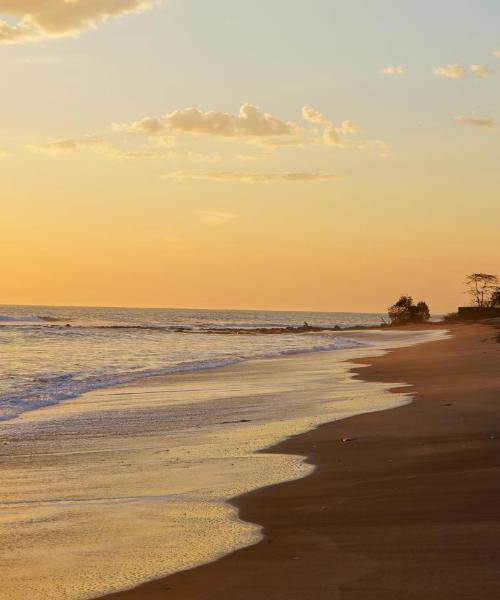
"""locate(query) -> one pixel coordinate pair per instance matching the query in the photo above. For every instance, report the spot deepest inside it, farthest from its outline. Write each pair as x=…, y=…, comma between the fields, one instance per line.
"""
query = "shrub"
x=405, y=311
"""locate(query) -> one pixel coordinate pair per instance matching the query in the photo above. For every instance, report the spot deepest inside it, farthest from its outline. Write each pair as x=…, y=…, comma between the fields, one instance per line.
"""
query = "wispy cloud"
x=477, y=121
x=119, y=154
x=69, y=145
x=453, y=71
x=38, y=19
x=392, y=70
x=250, y=177
x=481, y=72
x=213, y=217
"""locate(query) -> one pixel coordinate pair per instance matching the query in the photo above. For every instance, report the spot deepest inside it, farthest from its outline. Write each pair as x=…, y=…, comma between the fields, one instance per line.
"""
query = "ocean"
x=49, y=354
x=126, y=433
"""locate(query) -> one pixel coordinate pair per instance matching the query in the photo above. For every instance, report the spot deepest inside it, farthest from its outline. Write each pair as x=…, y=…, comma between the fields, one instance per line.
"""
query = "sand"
x=409, y=508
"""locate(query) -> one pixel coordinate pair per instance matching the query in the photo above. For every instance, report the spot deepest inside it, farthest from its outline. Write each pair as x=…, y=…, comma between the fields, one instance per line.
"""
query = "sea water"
x=49, y=354
x=105, y=486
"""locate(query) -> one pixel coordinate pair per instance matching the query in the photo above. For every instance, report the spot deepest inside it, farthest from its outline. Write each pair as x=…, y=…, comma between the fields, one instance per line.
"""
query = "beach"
x=250, y=301
x=403, y=504
x=129, y=483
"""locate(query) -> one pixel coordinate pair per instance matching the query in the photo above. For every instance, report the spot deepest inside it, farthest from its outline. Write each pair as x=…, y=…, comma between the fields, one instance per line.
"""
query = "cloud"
x=480, y=72
x=250, y=122
x=38, y=19
x=392, y=70
x=250, y=157
x=337, y=136
x=97, y=144
x=332, y=135
x=211, y=217
x=131, y=154
x=313, y=116
x=477, y=121
x=69, y=145
x=497, y=52
x=251, y=126
x=349, y=127
x=250, y=177
x=450, y=71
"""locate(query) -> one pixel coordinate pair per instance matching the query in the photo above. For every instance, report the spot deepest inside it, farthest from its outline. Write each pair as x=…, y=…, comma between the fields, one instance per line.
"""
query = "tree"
x=405, y=311
x=481, y=286
x=423, y=313
x=495, y=298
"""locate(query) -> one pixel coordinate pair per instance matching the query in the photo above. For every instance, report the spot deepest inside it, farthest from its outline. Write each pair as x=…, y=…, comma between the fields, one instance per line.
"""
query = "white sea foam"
x=48, y=390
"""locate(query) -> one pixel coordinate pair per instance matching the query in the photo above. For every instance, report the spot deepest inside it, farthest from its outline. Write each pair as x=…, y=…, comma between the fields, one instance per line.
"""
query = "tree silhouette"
x=405, y=311
x=495, y=298
x=481, y=286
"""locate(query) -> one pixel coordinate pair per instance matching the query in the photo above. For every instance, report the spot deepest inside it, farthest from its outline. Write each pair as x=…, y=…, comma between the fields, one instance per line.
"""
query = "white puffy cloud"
x=250, y=177
x=392, y=70
x=332, y=135
x=481, y=72
x=249, y=125
x=313, y=116
x=477, y=121
x=338, y=136
x=250, y=122
x=349, y=127
x=36, y=19
x=449, y=71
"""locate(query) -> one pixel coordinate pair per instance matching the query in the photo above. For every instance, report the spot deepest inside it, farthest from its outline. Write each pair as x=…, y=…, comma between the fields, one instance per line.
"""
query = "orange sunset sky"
x=327, y=155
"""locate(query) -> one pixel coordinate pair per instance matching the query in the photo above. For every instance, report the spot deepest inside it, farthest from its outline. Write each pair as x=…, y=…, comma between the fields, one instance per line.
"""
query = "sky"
x=328, y=155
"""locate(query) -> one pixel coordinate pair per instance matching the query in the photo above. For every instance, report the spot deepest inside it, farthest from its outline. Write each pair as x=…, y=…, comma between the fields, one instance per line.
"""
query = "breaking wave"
x=51, y=389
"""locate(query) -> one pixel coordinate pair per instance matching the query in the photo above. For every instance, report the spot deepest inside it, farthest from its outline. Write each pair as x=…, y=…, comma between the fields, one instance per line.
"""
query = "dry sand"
x=408, y=509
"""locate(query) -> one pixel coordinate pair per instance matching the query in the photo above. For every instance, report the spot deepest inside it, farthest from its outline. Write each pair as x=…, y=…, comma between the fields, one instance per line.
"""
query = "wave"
x=52, y=389
x=14, y=319
x=203, y=329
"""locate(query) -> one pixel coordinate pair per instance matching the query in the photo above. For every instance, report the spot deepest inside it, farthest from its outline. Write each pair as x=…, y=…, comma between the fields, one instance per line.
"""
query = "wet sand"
x=409, y=508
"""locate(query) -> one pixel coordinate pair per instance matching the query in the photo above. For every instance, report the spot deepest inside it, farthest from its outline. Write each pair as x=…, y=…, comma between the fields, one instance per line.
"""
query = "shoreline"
x=322, y=533
x=149, y=470
x=204, y=364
